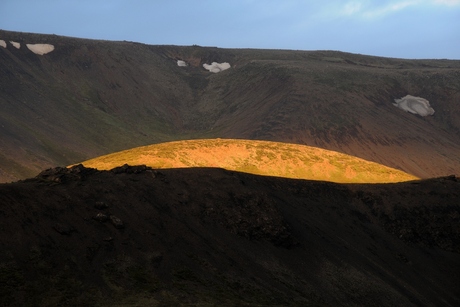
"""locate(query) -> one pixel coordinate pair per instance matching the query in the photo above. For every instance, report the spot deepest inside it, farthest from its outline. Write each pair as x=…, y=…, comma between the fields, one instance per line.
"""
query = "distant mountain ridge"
x=86, y=98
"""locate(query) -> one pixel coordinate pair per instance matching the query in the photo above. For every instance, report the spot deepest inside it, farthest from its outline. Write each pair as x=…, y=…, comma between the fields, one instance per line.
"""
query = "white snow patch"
x=216, y=67
x=181, y=63
x=40, y=49
x=414, y=105
x=2, y=43
x=16, y=44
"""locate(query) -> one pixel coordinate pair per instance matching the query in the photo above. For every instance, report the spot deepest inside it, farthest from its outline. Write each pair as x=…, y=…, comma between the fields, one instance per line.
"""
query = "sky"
x=411, y=29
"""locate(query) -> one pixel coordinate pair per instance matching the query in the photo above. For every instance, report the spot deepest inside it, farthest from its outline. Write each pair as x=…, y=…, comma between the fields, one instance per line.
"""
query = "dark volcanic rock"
x=253, y=216
x=101, y=205
x=117, y=222
x=63, y=230
x=127, y=169
x=62, y=174
x=429, y=226
x=213, y=237
x=101, y=217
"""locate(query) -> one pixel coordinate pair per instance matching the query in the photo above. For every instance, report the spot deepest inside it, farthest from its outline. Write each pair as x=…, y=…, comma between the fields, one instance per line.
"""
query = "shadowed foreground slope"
x=195, y=236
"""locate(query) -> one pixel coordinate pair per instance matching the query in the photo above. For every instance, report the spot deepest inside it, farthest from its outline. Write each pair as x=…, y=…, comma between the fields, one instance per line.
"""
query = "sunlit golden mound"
x=257, y=157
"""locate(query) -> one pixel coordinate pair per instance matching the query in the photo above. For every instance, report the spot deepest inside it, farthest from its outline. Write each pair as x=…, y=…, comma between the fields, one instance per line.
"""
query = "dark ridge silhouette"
x=207, y=236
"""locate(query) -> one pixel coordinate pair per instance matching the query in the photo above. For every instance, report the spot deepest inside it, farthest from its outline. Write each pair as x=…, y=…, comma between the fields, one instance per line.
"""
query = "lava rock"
x=117, y=222
x=101, y=217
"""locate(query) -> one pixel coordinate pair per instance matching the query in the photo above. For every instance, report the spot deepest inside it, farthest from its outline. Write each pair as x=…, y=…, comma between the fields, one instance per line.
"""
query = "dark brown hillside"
x=87, y=98
x=81, y=100
x=347, y=107
x=202, y=236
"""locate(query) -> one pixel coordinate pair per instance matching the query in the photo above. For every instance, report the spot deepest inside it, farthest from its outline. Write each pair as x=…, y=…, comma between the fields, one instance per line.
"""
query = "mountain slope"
x=87, y=98
x=256, y=157
x=202, y=236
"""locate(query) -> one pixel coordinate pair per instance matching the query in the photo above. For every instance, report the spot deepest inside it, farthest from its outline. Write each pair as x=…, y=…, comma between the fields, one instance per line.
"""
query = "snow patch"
x=40, y=49
x=2, y=43
x=414, y=105
x=216, y=67
x=16, y=44
x=181, y=63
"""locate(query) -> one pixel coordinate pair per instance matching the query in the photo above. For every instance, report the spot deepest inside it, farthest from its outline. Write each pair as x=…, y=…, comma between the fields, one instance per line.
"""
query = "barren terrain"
x=87, y=98
x=201, y=236
x=135, y=236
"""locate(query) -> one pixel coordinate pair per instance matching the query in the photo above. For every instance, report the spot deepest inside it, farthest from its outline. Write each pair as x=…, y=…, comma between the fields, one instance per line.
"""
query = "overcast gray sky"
x=392, y=28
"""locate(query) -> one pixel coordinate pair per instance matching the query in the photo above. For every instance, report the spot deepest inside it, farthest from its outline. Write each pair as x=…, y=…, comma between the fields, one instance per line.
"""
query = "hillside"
x=256, y=157
x=86, y=98
x=135, y=236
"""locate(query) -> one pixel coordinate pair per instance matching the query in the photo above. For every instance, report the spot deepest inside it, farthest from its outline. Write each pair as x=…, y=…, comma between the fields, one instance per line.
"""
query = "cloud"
x=390, y=8
x=447, y=2
x=364, y=9
x=352, y=8
x=359, y=8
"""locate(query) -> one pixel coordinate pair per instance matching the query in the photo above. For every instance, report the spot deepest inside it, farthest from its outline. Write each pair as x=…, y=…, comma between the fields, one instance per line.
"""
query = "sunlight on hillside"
x=256, y=157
